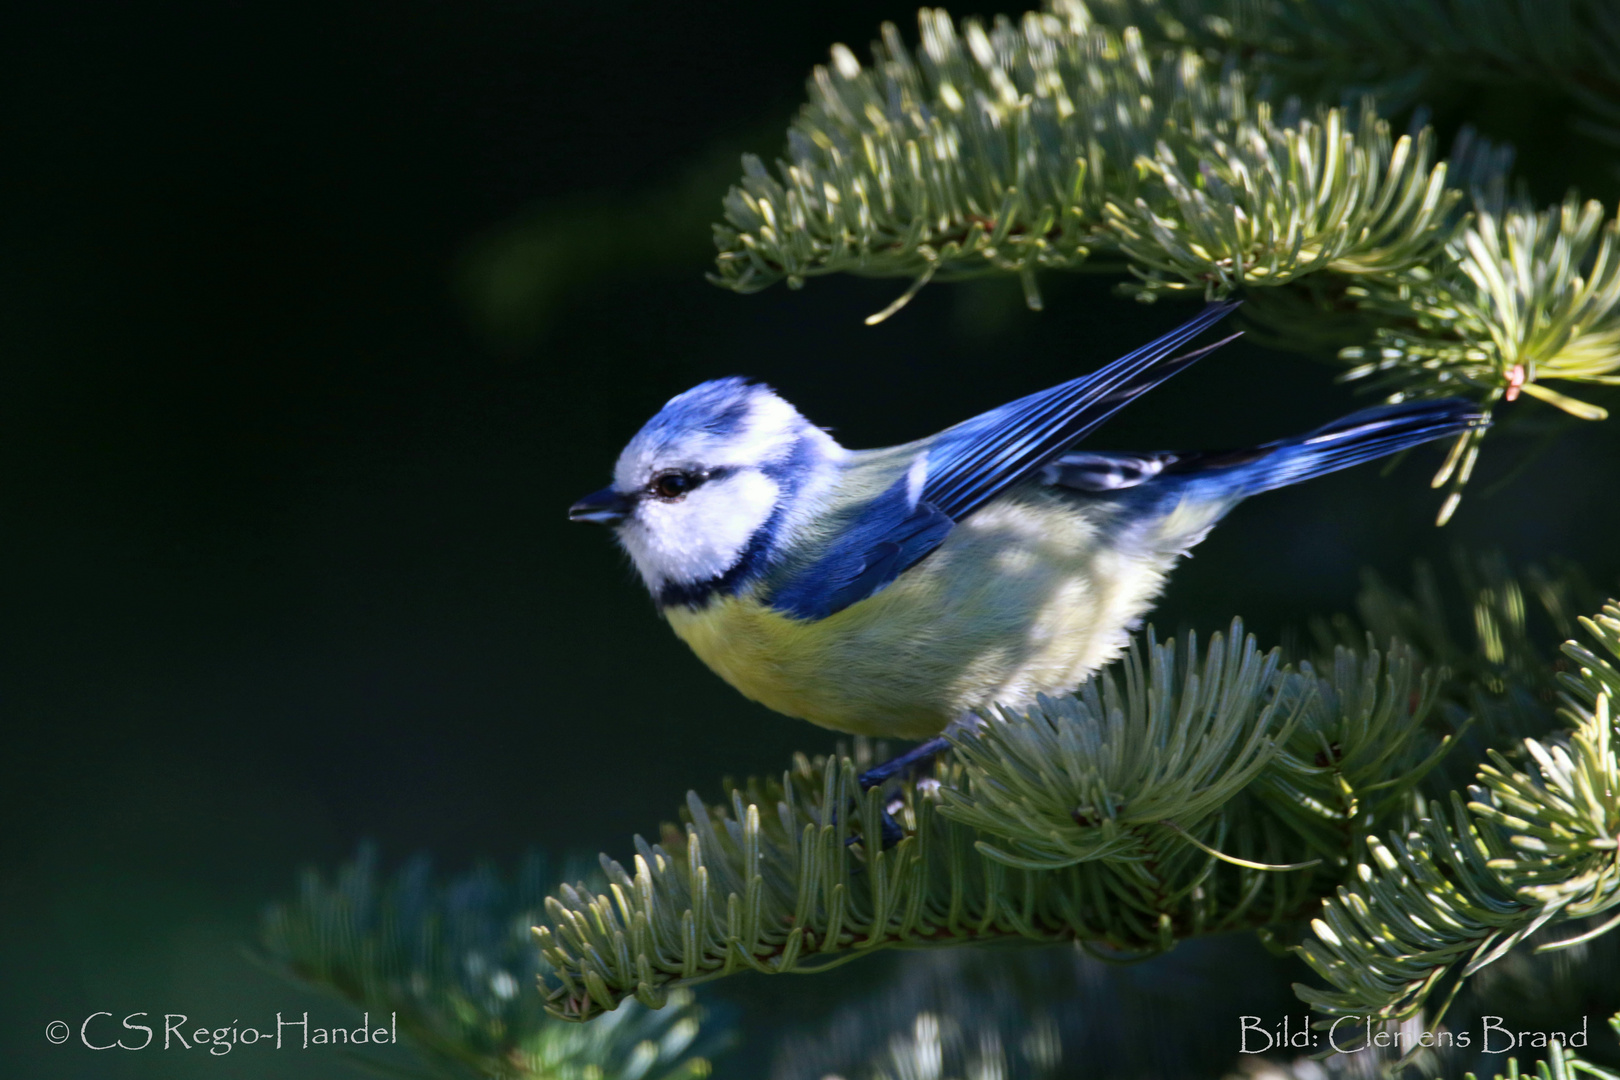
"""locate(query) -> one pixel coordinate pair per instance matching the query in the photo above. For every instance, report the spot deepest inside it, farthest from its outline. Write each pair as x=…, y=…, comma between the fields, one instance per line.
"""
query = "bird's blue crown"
x=717, y=409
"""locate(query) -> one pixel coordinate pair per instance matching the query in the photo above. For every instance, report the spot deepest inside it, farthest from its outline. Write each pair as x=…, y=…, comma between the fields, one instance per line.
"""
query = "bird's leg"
x=888, y=828
x=904, y=763
x=895, y=766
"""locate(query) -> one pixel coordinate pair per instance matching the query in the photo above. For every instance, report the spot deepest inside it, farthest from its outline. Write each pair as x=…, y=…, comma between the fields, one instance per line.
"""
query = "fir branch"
x=1262, y=203
x=1051, y=825
x=1559, y=1064
x=992, y=150
x=1362, y=751
x=1468, y=883
x=1037, y=146
x=1484, y=630
x=1177, y=755
x=1520, y=297
x=774, y=883
x=1123, y=765
x=454, y=962
x=1059, y=142
x=1404, y=52
x=1121, y=848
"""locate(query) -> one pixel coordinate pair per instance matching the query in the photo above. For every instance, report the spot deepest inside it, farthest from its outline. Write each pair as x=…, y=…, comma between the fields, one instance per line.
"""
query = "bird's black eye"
x=674, y=485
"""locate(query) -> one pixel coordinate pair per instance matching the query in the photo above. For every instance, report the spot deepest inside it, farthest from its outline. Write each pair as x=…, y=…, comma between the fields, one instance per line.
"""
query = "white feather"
x=701, y=536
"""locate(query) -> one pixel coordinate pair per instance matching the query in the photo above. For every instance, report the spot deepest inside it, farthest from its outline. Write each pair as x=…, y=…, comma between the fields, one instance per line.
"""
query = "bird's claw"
x=889, y=829
x=890, y=832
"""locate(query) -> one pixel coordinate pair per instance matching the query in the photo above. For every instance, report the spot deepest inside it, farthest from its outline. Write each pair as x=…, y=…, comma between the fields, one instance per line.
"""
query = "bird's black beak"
x=605, y=507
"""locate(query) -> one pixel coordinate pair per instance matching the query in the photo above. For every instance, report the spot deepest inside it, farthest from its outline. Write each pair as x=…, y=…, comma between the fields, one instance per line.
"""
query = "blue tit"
x=890, y=592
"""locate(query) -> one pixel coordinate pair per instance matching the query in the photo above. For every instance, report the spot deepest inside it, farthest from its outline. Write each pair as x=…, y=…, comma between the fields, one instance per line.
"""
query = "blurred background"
x=313, y=321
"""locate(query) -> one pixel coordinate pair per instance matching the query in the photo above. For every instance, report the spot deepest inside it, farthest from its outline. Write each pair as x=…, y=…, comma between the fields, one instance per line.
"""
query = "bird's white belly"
x=1027, y=596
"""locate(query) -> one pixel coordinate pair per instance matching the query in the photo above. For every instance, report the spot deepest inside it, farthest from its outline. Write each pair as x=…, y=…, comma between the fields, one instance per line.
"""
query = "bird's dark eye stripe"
x=675, y=483
x=672, y=485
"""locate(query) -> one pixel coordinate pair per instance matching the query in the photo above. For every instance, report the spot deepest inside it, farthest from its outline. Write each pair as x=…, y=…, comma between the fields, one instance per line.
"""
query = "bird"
x=895, y=592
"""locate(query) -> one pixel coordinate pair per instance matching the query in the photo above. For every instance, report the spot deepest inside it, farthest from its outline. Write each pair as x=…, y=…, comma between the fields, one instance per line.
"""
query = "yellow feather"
x=1027, y=596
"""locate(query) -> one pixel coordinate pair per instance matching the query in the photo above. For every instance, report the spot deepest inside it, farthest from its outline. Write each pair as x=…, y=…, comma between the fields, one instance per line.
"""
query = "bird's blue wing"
x=970, y=464
x=889, y=535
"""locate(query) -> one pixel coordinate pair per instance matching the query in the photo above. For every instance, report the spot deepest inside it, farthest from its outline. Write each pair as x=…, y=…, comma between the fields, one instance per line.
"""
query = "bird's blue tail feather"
x=1351, y=440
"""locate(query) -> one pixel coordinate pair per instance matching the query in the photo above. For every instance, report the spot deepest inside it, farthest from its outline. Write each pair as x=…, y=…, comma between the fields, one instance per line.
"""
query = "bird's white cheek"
x=702, y=536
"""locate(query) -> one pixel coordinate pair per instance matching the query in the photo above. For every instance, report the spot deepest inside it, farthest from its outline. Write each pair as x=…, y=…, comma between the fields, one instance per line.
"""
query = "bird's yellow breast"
x=1027, y=596
x=769, y=657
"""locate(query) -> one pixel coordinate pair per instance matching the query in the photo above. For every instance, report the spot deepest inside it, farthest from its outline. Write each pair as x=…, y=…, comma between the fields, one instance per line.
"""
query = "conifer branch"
x=1560, y=1063
x=1174, y=795
x=1490, y=629
x=1404, y=52
x=1255, y=765
x=1519, y=297
x=1131, y=144
x=1469, y=882
x=454, y=963
x=1038, y=146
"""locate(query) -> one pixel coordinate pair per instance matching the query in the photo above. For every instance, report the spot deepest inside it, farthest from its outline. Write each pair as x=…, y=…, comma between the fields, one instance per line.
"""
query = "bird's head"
x=705, y=489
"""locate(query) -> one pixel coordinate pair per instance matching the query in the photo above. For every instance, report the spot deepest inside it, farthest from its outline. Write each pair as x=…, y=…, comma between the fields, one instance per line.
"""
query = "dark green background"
x=285, y=558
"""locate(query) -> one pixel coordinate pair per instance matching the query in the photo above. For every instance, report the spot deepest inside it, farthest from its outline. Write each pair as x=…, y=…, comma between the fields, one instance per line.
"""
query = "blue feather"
x=973, y=462
x=1160, y=479
x=1351, y=440
x=717, y=407
x=969, y=465
x=885, y=540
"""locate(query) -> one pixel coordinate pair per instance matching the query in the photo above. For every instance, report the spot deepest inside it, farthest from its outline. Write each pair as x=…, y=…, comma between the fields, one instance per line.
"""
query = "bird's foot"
x=889, y=829
x=890, y=832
